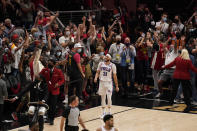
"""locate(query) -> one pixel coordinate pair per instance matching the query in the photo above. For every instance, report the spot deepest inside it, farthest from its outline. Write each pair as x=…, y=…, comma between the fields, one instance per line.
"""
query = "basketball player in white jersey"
x=109, y=124
x=105, y=71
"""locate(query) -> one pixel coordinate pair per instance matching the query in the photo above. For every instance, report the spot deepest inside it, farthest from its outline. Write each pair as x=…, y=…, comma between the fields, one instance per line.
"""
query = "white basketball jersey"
x=103, y=129
x=106, y=71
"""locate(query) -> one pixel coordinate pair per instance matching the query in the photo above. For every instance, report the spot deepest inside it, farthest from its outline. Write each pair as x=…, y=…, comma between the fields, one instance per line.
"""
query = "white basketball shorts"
x=105, y=88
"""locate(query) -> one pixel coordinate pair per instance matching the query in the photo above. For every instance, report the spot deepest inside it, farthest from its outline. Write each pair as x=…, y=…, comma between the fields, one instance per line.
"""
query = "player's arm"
x=115, y=77
x=96, y=76
x=97, y=72
x=62, y=123
x=116, y=81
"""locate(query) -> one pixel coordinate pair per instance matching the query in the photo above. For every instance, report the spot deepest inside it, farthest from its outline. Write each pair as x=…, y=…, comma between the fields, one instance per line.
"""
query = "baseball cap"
x=15, y=36
x=78, y=45
x=118, y=37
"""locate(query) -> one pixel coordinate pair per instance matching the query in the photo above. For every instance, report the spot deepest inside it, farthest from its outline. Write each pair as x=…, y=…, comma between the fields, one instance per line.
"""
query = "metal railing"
x=73, y=16
x=76, y=16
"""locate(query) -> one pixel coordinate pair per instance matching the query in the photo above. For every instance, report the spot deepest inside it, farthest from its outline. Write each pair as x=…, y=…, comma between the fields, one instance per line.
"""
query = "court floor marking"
x=112, y=114
x=154, y=99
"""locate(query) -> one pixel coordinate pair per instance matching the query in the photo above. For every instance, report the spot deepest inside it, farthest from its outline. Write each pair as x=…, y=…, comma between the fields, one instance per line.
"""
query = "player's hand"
x=117, y=89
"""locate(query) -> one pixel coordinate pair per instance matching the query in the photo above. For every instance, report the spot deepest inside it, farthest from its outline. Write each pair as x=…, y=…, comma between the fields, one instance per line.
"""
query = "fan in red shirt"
x=142, y=60
x=182, y=76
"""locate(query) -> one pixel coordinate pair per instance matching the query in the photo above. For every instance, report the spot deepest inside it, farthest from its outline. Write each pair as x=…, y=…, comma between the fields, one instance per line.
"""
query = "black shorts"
x=71, y=128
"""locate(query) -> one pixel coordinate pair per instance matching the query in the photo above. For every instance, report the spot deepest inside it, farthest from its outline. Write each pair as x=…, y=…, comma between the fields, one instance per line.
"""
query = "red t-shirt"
x=77, y=58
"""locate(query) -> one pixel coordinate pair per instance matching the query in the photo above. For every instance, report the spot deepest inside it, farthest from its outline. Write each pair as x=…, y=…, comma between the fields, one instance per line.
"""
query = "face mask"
x=101, y=53
x=174, y=38
x=50, y=66
x=127, y=44
x=36, y=35
x=67, y=32
x=79, y=50
x=118, y=42
x=164, y=19
x=152, y=23
x=47, y=53
x=59, y=53
x=176, y=21
x=158, y=31
x=180, y=51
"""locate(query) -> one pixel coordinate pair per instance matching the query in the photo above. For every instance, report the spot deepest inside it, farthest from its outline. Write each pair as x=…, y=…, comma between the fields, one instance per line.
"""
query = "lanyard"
x=118, y=49
x=162, y=28
x=127, y=52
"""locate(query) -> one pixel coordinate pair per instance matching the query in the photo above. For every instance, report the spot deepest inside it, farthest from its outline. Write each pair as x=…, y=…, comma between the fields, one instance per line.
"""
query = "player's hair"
x=107, y=117
x=71, y=99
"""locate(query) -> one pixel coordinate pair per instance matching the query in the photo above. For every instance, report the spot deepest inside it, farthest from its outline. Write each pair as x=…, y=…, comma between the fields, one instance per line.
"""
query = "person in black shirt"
x=75, y=71
x=71, y=115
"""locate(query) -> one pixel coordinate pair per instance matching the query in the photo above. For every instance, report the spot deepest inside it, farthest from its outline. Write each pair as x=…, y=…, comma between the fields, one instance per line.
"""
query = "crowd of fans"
x=77, y=50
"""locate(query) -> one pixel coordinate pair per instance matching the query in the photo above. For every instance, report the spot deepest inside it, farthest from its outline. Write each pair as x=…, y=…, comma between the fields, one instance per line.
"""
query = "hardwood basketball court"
x=134, y=119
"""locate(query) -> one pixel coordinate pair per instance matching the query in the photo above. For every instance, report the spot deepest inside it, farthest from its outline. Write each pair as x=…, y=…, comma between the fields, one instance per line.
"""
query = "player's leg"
x=109, y=95
x=109, y=100
x=102, y=92
x=103, y=104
